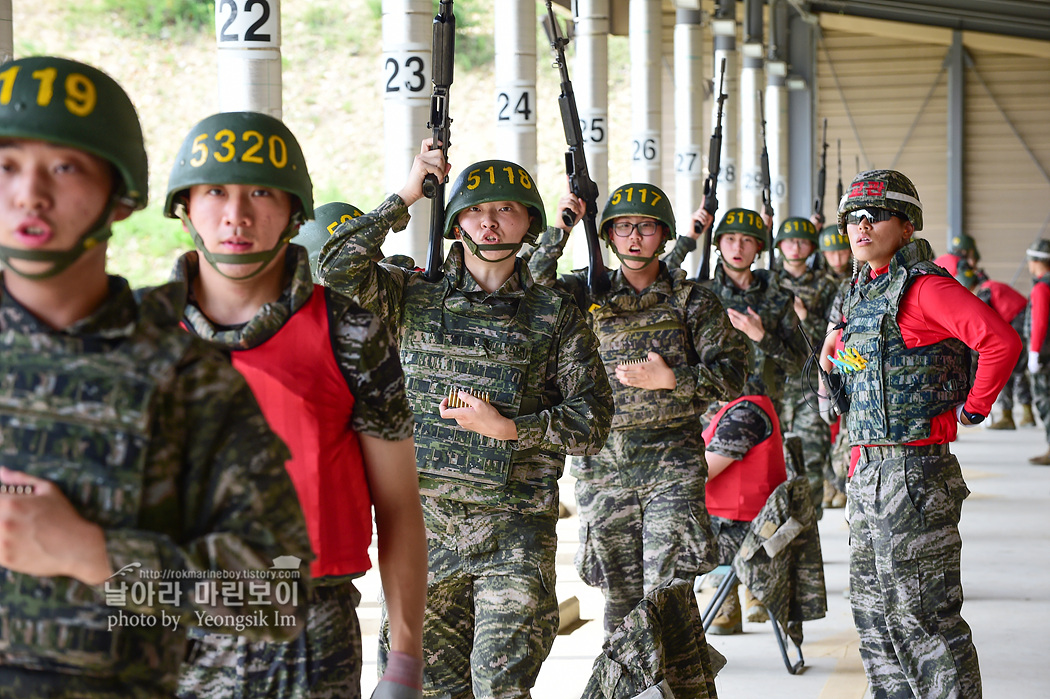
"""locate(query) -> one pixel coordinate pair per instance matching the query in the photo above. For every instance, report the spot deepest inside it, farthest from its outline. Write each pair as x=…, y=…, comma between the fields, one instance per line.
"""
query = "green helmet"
x=638, y=199
x=883, y=189
x=796, y=227
x=832, y=239
x=315, y=233
x=961, y=244
x=241, y=148
x=75, y=105
x=743, y=221
x=1039, y=250
x=965, y=274
x=88, y=110
x=495, y=180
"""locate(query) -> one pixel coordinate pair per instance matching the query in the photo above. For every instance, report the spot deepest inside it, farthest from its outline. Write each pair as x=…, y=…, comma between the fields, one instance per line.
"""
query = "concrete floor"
x=1006, y=580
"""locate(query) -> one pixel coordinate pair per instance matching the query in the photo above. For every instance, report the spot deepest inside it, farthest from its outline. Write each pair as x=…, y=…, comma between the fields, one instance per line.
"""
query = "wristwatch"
x=974, y=418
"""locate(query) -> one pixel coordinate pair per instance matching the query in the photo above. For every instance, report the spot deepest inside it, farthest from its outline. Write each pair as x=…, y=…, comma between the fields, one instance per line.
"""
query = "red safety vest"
x=303, y=395
x=742, y=489
x=1006, y=300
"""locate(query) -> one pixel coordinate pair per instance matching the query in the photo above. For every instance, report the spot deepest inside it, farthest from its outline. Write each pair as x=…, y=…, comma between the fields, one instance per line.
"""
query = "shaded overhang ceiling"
x=1029, y=19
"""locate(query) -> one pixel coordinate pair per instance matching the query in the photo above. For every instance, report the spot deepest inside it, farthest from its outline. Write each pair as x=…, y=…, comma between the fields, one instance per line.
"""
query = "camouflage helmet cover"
x=832, y=239
x=1039, y=251
x=638, y=199
x=796, y=227
x=495, y=180
x=743, y=221
x=315, y=233
x=242, y=148
x=81, y=108
x=883, y=189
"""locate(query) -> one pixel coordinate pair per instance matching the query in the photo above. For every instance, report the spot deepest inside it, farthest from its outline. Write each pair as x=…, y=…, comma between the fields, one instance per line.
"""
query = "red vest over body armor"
x=1006, y=300
x=303, y=395
x=742, y=489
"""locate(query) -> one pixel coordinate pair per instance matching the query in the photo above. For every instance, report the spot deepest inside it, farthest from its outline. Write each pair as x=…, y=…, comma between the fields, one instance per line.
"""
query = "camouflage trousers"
x=905, y=587
x=1018, y=386
x=23, y=683
x=323, y=662
x=643, y=516
x=730, y=534
x=797, y=417
x=492, y=611
x=1041, y=399
x=838, y=464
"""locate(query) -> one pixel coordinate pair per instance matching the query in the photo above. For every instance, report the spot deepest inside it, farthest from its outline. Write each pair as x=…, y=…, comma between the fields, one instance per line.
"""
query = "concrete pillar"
x=646, y=93
x=723, y=31
x=7, y=37
x=408, y=37
x=249, y=57
x=515, y=67
x=688, y=107
x=590, y=82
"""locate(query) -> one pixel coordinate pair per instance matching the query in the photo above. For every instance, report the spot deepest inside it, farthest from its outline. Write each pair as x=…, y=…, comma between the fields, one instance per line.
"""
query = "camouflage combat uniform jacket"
x=817, y=291
x=151, y=434
x=551, y=384
x=675, y=317
x=782, y=351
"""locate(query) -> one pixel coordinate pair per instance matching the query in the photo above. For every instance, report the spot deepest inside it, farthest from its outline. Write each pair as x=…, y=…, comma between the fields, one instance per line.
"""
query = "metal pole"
x=689, y=117
x=406, y=85
x=646, y=145
x=515, y=67
x=590, y=73
x=723, y=30
x=249, y=59
x=777, y=106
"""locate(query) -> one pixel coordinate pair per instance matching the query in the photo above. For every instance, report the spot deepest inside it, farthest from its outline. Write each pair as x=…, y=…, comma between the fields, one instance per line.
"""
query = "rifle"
x=580, y=182
x=822, y=177
x=767, y=194
x=838, y=189
x=834, y=384
x=714, y=157
x=443, y=64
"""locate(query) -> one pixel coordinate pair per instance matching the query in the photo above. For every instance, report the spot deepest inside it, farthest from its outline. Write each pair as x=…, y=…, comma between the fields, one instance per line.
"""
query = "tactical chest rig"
x=893, y=399
x=444, y=345
x=78, y=410
x=628, y=326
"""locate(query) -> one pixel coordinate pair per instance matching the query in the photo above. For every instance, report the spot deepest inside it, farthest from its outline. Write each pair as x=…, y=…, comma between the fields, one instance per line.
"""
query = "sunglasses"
x=874, y=215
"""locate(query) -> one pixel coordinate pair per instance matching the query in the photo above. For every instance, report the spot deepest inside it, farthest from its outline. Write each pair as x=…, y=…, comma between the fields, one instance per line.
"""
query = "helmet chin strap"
x=476, y=249
x=98, y=232
x=215, y=259
x=624, y=259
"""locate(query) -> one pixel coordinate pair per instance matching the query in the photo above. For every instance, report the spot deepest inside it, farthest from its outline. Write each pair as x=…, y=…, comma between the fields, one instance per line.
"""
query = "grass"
x=144, y=246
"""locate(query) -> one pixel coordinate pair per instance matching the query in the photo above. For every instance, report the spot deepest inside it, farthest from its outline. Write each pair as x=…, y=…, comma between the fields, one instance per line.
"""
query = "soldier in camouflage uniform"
x=143, y=461
x=327, y=375
x=907, y=397
x=505, y=379
x=756, y=303
x=834, y=247
x=1037, y=337
x=814, y=291
x=669, y=351
x=760, y=309
x=1009, y=304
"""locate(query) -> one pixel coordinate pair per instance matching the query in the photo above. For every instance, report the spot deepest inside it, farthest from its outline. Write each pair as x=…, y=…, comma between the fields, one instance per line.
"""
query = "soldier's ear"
x=909, y=230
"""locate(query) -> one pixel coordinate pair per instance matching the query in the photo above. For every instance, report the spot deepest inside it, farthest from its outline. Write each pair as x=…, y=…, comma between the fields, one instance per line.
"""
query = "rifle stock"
x=444, y=53
x=580, y=182
x=714, y=159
